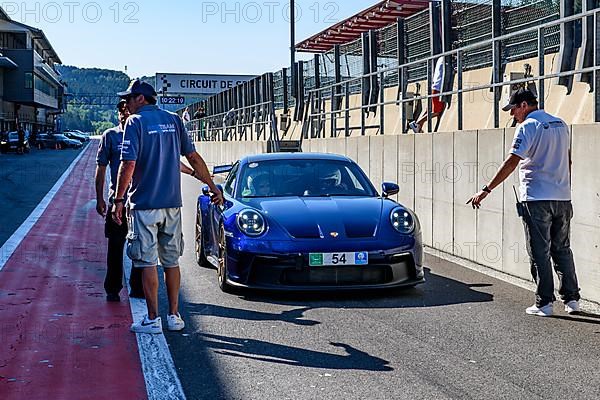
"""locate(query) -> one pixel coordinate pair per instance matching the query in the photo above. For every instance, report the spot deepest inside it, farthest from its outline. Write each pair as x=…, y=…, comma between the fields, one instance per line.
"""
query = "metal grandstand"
x=395, y=43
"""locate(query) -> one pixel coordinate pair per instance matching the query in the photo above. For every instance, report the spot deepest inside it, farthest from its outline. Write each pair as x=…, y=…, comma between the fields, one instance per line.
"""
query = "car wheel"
x=222, y=268
x=200, y=256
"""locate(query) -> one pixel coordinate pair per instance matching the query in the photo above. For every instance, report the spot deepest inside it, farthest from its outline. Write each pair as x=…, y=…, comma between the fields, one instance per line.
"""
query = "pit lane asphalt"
x=461, y=335
x=25, y=180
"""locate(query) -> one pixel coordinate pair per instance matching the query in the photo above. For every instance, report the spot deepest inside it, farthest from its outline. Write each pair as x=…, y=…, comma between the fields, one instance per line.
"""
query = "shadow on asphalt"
x=259, y=350
x=203, y=379
x=436, y=291
x=583, y=316
x=291, y=316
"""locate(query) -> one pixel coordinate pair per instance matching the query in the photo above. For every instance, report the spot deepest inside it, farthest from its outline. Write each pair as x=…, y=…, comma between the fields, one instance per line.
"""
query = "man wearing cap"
x=109, y=154
x=153, y=142
x=541, y=148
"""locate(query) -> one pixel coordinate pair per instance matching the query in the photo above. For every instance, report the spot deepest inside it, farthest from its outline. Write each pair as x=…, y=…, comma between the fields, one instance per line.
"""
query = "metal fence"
x=480, y=33
x=325, y=117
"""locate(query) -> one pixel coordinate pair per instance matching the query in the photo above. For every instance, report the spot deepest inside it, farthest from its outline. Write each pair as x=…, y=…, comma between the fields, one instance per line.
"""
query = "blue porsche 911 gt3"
x=307, y=221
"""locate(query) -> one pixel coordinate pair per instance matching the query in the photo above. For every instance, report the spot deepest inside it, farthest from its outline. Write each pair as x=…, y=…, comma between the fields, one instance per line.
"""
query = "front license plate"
x=352, y=258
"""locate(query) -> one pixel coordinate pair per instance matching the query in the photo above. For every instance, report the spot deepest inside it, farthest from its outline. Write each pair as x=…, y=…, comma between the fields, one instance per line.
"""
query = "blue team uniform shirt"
x=155, y=139
x=109, y=154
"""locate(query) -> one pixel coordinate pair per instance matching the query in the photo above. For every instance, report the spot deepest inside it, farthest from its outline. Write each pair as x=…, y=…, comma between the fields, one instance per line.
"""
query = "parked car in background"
x=56, y=141
x=76, y=134
x=10, y=142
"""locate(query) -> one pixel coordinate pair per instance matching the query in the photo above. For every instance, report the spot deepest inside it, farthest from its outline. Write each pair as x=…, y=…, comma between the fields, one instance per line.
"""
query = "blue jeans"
x=547, y=231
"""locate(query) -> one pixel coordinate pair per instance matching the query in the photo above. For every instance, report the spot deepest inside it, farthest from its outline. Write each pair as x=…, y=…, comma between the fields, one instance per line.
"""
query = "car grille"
x=342, y=276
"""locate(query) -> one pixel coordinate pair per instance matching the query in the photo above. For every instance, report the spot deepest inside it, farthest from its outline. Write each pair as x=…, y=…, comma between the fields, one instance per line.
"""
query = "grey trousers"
x=547, y=231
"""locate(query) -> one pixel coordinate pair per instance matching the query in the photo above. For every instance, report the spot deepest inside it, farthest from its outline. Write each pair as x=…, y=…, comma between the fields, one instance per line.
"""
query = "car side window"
x=231, y=179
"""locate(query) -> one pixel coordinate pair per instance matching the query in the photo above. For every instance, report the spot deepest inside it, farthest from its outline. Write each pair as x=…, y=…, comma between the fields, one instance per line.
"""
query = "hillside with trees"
x=93, y=118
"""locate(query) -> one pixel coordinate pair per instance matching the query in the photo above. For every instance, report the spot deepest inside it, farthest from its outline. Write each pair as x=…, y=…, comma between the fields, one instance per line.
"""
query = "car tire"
x=199, y=245
x=222, y=268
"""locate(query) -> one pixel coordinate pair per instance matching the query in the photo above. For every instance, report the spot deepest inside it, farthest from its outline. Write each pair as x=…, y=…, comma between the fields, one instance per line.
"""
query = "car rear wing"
x=222, y=169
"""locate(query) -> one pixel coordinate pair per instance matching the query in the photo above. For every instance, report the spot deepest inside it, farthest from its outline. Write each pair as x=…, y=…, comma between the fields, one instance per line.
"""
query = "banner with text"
x=197, y=83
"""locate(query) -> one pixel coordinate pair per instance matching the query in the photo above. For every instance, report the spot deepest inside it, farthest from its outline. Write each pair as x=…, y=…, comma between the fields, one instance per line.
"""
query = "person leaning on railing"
x=541, y=148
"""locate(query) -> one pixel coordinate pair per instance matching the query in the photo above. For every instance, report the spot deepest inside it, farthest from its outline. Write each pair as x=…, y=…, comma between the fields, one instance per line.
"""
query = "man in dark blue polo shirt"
x=109, y=154
x=153, y=142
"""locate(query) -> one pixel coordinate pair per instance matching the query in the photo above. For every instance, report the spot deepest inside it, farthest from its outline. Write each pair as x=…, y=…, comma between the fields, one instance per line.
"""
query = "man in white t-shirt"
x=437, y=104
x=541, y=148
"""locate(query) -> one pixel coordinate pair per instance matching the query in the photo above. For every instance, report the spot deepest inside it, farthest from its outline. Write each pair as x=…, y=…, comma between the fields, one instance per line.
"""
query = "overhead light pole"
x=293, y=48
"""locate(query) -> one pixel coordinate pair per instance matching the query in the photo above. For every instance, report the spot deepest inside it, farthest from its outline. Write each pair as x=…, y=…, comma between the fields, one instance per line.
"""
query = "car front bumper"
x=386, y=269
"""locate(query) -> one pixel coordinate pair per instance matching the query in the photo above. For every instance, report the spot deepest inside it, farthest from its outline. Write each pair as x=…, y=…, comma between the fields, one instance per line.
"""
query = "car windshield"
x=306, y=178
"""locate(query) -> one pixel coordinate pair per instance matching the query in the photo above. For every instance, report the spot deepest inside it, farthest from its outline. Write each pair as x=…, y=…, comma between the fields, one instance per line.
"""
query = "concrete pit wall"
x=438, y=173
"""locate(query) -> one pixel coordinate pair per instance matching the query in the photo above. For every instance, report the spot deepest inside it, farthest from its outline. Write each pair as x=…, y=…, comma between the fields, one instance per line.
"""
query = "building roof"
x=7, y=63
x=37, y=34
x=382, y=14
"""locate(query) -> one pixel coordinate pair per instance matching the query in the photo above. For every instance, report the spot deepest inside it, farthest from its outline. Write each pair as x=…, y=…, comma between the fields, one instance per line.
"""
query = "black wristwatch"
x=115, y=201
x=193, y=173
x=486, y=189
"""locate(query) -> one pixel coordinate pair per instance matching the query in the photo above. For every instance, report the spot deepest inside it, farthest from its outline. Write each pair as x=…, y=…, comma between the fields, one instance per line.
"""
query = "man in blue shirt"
x=109, y=154
x=153, y=142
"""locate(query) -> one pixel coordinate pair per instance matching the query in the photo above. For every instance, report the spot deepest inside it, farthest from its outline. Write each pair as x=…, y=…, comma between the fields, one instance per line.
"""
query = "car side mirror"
x=389, y=189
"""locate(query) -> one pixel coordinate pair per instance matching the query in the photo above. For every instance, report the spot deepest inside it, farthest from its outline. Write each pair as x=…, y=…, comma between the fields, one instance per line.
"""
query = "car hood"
x=316, y=217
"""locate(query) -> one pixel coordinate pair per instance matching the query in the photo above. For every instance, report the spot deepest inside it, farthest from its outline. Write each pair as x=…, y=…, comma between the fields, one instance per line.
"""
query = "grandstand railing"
x=314, y=105
x=253, y=122
x=320, y=117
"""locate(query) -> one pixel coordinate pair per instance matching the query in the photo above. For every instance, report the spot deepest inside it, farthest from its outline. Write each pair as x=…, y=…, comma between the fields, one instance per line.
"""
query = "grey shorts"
x=153, y=235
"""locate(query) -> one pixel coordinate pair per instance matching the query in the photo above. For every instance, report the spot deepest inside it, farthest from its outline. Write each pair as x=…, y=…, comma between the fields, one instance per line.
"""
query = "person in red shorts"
x=437, y=104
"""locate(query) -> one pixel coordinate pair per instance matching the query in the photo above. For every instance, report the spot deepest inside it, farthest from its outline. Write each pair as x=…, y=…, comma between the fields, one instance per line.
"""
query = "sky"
x=178, y=36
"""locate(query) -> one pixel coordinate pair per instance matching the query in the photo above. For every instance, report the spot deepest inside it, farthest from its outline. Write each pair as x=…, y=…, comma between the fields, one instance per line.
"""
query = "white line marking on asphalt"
x=162, y=382
x=9, y=247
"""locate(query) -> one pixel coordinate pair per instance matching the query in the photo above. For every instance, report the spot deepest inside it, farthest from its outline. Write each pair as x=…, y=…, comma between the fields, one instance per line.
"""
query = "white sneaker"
x=544, y=311
x=572, y=307
x=174, y=322
x=413, y=125
x=146, y=325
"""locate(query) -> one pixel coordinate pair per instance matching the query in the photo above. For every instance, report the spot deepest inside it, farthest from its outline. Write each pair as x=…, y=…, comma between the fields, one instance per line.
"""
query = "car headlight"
x=251, y=222
x=402, y=220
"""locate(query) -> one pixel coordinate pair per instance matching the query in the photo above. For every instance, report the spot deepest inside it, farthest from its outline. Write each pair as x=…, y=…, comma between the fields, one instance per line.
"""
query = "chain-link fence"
x=387, y=53
x=472, y=23
x=519, y=14
x=417, y=33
